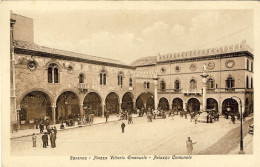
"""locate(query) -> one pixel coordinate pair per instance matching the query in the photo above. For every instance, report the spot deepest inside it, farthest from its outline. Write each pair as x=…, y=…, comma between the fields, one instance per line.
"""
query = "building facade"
x=59, y=85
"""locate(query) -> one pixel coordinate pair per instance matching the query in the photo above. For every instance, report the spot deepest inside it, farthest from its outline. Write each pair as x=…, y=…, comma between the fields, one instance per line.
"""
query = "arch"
x=66, y=90
x=177, y=84
x=177, y=104
x=193, y=84
x=36, y=89
x=233, y=104
x=67, y=106
x=127, y=101
x=163, y=103
x=112, y=103
x=193, y=105
x=145, y=100
x=230, y=82
x=81, y=77
x=210, y=83
x=163, y=85
x=93, y=91
x=34, y=106
x=212, y=104
x=92, y=103
x=53, y=62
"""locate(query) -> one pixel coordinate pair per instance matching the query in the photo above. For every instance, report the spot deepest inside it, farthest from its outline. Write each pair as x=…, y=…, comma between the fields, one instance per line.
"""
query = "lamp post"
x=241, y=126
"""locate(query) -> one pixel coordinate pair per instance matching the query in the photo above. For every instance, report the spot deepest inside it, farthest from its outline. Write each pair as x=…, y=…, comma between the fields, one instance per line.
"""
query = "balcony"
x=83, y=86
x=192, y=92
x=167, y=91
x=230, y=90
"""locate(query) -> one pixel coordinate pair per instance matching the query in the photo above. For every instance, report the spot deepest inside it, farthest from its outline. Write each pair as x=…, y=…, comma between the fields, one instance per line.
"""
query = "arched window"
x=230, y=83
x=147, y=85
x=130, y=82
x=210, y=83
x=163, y=85
x=120, y=79
x=177, y=84
x=247, y=82
x=252, y=83
x=252, y=67
x=103, y=78
x=81, y=78
x=247, y=64
x=193, y=84
x=53, y=73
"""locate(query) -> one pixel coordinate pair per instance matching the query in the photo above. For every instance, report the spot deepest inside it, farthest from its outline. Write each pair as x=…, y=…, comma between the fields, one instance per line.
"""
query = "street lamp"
x=241, y=126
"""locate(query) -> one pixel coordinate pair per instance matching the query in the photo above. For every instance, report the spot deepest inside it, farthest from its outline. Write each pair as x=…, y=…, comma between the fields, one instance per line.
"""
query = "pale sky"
x=127, y=35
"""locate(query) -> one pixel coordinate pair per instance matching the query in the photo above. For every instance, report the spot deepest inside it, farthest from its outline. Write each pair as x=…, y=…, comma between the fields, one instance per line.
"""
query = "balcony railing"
x=229, y=90
x=192, y=92
x=83, y=86
x=165, y=91
x=199, y=91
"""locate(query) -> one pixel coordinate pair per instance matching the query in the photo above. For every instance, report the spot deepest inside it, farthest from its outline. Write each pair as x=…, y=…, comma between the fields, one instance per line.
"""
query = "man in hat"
x=44, y=139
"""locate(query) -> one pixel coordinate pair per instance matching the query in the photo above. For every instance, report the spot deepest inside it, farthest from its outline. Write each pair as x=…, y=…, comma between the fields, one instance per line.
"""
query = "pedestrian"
x=208, y=118
x=123, y=127
x=106, y=115
x=52, y=139
x=185, y=115
x=196, y=118
x=41, y=127
x=34, y=138
x=189, y=146
x=44, y=140
x=55, y=131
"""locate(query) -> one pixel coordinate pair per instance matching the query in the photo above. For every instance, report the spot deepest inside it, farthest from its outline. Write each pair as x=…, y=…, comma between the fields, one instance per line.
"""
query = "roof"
x=145, y=61
x=37, y=48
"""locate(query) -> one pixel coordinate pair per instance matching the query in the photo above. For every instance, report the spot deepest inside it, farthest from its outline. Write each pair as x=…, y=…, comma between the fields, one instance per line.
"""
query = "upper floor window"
x=146, y=85
x=177, y=84
x=247, y=64
x=230, y=83
x=120, y=79
x=81, y=78
x=193, y=84
x=163, y=85
x=252, y=83
x=103, y=77
x=210, y=83
x=247, y=82
x=53, y=73
x=130, y=82
x=252, y=67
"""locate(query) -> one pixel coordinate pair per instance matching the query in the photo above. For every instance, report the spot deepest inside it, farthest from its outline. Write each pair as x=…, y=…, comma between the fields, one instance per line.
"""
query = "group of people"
x=52, y=132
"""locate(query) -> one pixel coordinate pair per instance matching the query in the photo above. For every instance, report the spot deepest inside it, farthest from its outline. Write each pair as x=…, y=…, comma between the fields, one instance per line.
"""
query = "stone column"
x=184, y=106
x=201, y=106
x=155, y=93
x=53, y=114
x=103, y=109
x=134, y=104
x=18, y=118
x=120, y=107
x=204, y=91
x=81, y=113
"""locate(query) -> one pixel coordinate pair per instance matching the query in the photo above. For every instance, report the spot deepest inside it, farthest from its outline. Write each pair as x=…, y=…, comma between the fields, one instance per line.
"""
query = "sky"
x=127, y=35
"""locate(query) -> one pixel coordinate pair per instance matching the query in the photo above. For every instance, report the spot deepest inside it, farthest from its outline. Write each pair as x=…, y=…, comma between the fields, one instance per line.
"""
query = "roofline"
x=60, y=56
x=217, y=56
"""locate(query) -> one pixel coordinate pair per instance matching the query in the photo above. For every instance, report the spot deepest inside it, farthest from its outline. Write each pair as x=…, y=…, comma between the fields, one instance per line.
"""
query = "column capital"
x=53, y=106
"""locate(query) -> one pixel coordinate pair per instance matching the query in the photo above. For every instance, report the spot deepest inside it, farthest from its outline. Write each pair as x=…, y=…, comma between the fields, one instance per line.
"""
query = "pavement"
x=97, y=120
x=159, y=137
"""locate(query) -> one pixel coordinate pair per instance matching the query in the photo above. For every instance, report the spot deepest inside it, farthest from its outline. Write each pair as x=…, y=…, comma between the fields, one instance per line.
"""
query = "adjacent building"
x=58, y=85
